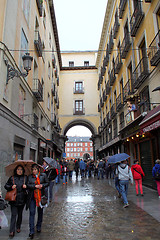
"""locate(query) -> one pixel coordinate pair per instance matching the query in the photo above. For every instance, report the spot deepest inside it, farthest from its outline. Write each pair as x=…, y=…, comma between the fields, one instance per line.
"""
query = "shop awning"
x=151, y=120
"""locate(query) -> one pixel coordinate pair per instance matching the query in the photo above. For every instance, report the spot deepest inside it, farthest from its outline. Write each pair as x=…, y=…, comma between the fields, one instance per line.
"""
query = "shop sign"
x=42, y=144
x=152, y=126
x=33, y=145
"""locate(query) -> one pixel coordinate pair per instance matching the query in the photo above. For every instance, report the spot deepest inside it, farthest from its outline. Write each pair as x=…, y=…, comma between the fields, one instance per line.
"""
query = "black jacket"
x=21, y=192
x=31, y=186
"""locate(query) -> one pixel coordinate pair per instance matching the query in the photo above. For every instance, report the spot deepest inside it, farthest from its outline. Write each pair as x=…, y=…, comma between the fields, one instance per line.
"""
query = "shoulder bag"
x=11, y=195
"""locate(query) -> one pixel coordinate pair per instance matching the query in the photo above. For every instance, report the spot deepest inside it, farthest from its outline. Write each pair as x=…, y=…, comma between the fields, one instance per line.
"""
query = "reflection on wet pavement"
x=90, y=209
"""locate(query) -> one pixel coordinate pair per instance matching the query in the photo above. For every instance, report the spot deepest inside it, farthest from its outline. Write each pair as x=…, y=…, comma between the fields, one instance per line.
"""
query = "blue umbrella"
x=118, y=158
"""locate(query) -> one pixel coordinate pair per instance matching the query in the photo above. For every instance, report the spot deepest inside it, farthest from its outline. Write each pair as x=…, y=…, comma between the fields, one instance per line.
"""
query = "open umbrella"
x=27, y=164
x=54, y=163
x=48, y=160
x=118, y=158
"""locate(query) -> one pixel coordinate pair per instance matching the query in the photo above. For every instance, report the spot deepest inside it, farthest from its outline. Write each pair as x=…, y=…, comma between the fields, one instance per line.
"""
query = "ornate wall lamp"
x=12, y=72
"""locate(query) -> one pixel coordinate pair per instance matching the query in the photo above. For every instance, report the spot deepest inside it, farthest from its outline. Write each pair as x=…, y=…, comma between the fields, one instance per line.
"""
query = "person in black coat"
x=18, y=181
x=36, y=184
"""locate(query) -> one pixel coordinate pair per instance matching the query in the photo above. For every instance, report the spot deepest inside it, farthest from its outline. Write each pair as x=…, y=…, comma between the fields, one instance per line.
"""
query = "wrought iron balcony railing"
x=154, y=50
x=104, y=95
x=140, y=73
x=37, y=90
x=122, y=8
x=38, y=43
x=119, y=102
x=118, y=63
x=128, y=89
x=115, y=27
x=112, y=76
x=53, y=90
x=136, y=19
x=126, y=43
x=111, y=43
x=40, y=6
x=108, y=88
x=113, y=111
x=108, y=117
x=99, y=107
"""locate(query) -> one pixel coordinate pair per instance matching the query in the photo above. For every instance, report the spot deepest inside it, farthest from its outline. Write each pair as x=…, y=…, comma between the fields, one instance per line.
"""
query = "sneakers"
x=126, y=205
x=159, y=197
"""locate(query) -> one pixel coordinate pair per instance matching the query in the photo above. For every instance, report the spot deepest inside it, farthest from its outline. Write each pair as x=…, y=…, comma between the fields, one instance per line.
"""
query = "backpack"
x=3, y=204
x=157, y=175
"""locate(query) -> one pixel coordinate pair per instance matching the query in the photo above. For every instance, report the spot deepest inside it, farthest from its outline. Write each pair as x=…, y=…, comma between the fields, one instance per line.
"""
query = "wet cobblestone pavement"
x=89, y=209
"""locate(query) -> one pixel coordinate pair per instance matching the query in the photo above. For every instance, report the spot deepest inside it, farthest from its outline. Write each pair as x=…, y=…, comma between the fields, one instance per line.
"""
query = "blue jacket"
x=82, y=165
x=155, y=169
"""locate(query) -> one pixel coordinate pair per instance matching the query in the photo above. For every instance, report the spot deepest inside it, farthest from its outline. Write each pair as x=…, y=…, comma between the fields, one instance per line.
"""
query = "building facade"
x=129, y=72
x=29, y=124
x=78, y=94
x=79, y=147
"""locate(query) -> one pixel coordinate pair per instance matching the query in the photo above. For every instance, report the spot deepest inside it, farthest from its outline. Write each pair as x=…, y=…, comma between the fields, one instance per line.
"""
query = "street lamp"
x=12, y=72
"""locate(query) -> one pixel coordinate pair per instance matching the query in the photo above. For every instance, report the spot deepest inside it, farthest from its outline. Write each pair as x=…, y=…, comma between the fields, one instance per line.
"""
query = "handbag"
x=44, y=200
x=11, y=195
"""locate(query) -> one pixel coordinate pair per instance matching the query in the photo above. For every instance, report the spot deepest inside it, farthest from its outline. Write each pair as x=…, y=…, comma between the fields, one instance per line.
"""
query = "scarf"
x=37, y=192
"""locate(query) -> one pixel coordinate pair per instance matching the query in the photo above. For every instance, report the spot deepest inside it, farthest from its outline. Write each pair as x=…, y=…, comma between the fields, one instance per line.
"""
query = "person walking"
x=37, y=182
x=82, y=166
x=137, y=173
x=18, y=181
x=51, y=174
x=76, y=168
x=124, y=175
x=64, y=172
x=156, y=175
x=100, y=169
x=71, y=166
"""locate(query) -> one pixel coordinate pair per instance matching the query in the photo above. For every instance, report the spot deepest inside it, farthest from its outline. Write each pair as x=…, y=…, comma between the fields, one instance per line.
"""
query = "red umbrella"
x=27, y=164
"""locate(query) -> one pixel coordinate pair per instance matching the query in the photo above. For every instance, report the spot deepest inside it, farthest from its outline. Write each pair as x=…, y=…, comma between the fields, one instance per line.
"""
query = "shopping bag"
x=3, y=219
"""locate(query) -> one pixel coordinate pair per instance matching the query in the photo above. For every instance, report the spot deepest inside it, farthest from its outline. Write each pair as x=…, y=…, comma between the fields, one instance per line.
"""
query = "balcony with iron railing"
x=35, y=121
x=113, y=111
x=56, y=97
x=121, y=124
x=99, y=107
x=115, y=27
x=118, y=63
x=38, y=43
x=108, y=117
x=108, y=88
x=57, y=80
x=154, y=50
x=37, y=90
x=40, y=6
x=115, y=128
x=53, y=119
x=57, y=104
x=53, y=61
x=148, y=1
x=101, y=102
x=128, y=89
x=106, y=59
x=53, y=89
x=125, y=46
x=140, y=73
x=79, y=111
x=111, y=43
x=122, y=8
x=110, y=133
x=119, y=102
x=98, y=85
x=112, y=76
x=78, y=90
x=136, y=19
x=56, y=72
x=100, y=78
x=103, y=70
x=104, y=95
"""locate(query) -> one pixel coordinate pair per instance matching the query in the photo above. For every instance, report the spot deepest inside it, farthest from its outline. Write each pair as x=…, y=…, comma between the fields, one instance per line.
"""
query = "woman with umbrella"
x=18, y=180
x=37, y=182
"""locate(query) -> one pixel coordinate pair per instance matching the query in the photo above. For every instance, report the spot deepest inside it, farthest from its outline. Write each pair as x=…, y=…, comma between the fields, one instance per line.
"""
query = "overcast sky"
x=79, y=131
x=79, y=23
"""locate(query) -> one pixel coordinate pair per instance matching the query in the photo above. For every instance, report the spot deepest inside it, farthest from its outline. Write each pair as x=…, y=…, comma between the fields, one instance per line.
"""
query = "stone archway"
x=85, y=123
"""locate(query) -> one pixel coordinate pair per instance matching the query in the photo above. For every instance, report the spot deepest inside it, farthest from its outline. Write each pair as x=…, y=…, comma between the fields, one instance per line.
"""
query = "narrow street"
x=89, y=209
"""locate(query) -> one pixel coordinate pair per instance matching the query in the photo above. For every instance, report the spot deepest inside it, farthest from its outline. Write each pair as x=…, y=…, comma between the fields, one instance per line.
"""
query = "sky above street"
x=79, y=131
x=79, y=23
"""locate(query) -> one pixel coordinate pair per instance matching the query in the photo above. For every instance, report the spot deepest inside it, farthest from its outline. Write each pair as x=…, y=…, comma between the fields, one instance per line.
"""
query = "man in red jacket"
x=137, y=173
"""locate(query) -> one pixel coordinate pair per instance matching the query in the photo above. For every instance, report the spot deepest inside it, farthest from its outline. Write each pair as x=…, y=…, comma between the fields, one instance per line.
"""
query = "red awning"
x=151, y=120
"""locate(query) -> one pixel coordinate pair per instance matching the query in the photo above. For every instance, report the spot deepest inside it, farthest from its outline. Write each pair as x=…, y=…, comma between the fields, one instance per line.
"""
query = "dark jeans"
x=16, y=217
x=32, y=212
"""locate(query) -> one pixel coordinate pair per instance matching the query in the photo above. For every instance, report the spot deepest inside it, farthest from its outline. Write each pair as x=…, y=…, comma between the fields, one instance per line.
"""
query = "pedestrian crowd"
x=35, y=190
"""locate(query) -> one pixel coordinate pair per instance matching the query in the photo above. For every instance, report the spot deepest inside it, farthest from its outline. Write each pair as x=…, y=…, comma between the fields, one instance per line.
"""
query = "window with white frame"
x=68, y=144
x=71, y=149
x=75, y=144
x=24, y=47
x=86, y=149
